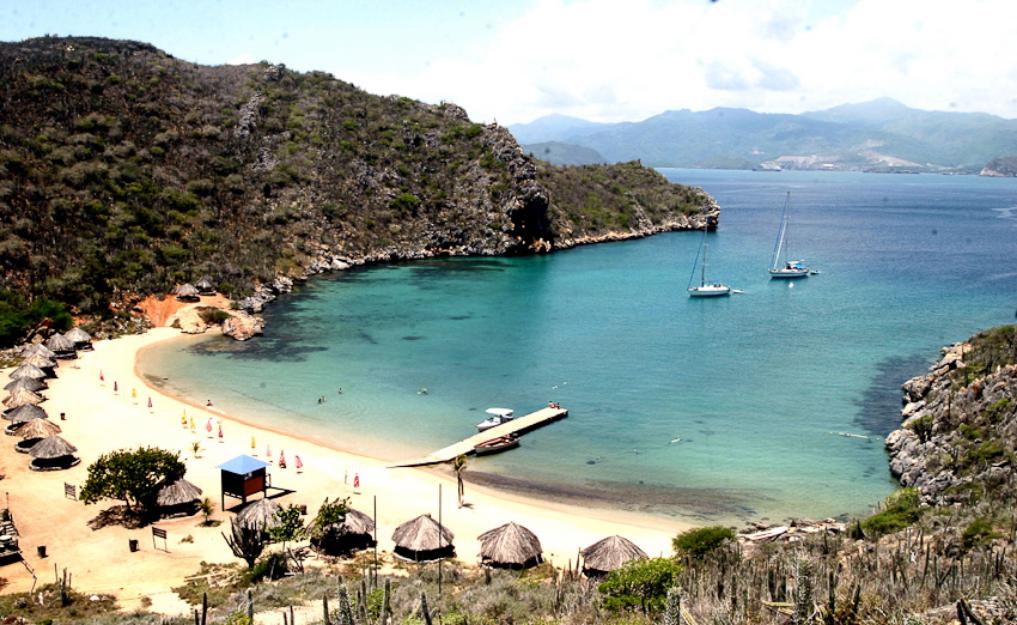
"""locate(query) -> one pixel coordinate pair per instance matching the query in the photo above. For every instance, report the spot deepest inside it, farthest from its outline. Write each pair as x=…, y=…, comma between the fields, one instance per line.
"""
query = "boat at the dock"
x=789, y=268
x=705, y=289
x=498, y=416
x=496, y=445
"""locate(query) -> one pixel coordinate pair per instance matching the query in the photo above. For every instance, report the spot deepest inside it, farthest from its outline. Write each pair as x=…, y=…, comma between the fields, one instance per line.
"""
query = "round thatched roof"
x=59, y=343
x=32, y=384
x=38, y=348
x=38, y=428
x=51, y=448
x=421, y=534
x=510, y=544
x=24, y=414
x=187, y=290
x=78, y=336
x=261, y=514
x=177, y=493
x=611, y=553
x=23, y=397
x=204, y=283
x=357, y=523
x=38, y=360
x=28, y=371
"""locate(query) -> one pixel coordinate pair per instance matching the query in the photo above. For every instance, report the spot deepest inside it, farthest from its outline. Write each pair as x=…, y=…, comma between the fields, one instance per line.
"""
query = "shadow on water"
x=880, y=404
x=281, y=348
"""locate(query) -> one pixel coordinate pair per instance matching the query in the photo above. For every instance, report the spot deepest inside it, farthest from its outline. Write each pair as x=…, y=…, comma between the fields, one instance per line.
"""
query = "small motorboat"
x=496, y=445
x=498, y=416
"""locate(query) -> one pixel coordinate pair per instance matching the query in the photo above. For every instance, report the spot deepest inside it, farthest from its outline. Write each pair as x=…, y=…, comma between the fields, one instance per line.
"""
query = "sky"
x=602, y=60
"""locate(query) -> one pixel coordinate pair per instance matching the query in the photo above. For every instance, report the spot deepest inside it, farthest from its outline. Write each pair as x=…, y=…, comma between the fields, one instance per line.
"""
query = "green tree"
x=640, y=583
x=701, y=542
x=330, y=514
x=131, y=476
x=288, y=526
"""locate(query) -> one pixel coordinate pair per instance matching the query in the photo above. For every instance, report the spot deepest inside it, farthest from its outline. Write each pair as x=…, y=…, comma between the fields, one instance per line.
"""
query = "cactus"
x=345, y=611
x=386, y=608
x=673, y=610
x=803, y=604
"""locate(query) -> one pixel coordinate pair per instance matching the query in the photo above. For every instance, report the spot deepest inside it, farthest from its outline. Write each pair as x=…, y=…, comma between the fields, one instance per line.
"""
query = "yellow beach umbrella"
x=134, y=393
x=183, y=419
x=192, y=424
x=252, y=441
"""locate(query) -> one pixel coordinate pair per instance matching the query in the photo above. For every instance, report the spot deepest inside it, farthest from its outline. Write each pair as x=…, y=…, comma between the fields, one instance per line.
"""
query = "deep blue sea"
x=709, y=409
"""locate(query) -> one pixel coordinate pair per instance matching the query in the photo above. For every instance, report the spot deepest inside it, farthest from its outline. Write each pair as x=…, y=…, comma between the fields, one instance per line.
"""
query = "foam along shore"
x=100, y=419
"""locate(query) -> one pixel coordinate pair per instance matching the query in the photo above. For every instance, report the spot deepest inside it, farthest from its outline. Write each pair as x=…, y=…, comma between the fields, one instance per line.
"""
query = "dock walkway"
x=520, y=425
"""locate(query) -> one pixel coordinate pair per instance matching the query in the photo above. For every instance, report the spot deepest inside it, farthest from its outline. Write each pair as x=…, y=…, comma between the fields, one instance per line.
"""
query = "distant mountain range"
x=558, y=153
x=881, y=135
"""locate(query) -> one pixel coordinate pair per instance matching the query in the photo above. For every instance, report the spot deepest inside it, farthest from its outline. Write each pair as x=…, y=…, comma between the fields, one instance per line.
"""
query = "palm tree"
x=459, y=466
x=206, y=507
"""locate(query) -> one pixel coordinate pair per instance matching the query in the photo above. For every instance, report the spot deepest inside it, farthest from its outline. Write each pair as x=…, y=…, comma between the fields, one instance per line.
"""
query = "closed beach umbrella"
x=608, y=554
x=183, y=418
x=421, y=540
x=297, y=462
x=38, y=428
x=31, y=384
x=208, y=427
x=261, y=514
x=23, y=397
x=28, y=371
x=149, y=403
x=193, y=428
x=282, y=459
x=510, y=545
x=220, y=432
x=252, y=445
x=24, y=414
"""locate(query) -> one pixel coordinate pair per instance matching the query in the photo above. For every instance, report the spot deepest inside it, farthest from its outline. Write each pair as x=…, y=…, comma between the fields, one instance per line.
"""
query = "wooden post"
x=375, y=577
x=324, y=608
x=250, y=606
x=439, y=549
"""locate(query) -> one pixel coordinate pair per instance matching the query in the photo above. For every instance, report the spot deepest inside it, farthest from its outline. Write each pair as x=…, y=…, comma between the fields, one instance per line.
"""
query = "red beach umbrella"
x=208, y=427
x=356, y=480
x=298, y=463
x=101, y=378
x=149, y=403
x=268, y=453
x=115, y=389
x=220, y=432
x=282, y=459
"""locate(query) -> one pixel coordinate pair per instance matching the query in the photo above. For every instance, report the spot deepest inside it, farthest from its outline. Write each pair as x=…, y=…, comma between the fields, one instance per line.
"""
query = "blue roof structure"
x=242, y=465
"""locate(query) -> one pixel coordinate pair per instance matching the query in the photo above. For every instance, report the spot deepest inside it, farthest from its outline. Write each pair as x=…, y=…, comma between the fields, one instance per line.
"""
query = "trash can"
x=132, y=543
x=41, y=550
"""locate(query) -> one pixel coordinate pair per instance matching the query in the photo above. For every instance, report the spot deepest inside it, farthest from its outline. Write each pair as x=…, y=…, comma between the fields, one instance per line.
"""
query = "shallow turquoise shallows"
x=718, y=409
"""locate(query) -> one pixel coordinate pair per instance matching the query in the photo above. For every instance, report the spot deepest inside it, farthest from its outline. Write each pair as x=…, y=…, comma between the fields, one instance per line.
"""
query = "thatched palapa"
x=422, y=540
x=187, y=293
x=204, y=285
x=43, y=362
x=510, y=546
x=178, y=498
x=24, y=414
x=80, y=338
x=23, y=397
x=354, y=533
x=38, y=348
x=608, y=554
x=31, y=384
x=33, y=432
x=51, y=454
x=61, y=346
x=28, y=371
x=261, y=514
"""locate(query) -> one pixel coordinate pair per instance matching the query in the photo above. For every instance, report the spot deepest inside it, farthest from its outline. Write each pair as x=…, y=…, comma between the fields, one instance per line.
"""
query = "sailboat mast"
x=702, y=279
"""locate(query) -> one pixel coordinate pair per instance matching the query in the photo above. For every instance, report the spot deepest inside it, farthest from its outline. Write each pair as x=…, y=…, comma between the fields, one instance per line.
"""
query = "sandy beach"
x=100, y=420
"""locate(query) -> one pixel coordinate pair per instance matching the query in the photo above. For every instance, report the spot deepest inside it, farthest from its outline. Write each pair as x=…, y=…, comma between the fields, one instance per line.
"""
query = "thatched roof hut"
x=421, y=540
x=38, y=360
x=31, y=384
x=38, y=348
x=353, y=534
x=33, y=432
x=178, y=498
x=61, y=346
x=261, y=514
x=28, y=371
x=80, y=338
x=187, y=293
x=205, y=286
x=24, y=414
x=51, y=454
x=510, y=546
x=608, y=554
x=23, y=397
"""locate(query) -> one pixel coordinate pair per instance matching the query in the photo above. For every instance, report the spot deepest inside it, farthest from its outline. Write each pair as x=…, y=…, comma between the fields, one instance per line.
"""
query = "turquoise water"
x=755, y=386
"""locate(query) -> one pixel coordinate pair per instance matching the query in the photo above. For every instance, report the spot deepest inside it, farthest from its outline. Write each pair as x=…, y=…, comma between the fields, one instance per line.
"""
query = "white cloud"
x=608, y=60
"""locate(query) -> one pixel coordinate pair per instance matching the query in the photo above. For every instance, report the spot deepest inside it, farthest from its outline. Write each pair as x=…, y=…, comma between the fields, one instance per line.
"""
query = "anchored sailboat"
x=705, y=289
x=788, y=268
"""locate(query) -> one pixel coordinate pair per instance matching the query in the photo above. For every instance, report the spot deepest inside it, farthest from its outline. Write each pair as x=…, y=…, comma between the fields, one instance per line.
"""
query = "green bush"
x=700, y=542
x=640, y=583
x=17, y=316
x=900, y=510
x=273, y=566
x=978, y=533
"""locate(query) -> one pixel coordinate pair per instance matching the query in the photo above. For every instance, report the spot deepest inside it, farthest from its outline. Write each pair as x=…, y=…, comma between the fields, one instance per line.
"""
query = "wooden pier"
x=519, y=425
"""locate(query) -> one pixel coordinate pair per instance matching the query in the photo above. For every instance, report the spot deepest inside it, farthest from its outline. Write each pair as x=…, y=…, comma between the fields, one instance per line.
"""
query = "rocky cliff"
x=1002, y=167
x=959, y=432
x=125, y=171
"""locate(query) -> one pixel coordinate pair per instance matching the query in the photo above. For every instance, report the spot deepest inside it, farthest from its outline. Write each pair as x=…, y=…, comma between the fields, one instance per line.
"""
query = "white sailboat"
x=704, y=288
x=788, y=268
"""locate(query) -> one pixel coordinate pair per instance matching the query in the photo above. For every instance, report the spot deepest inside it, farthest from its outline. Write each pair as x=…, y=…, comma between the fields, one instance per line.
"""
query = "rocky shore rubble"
x=791, y=531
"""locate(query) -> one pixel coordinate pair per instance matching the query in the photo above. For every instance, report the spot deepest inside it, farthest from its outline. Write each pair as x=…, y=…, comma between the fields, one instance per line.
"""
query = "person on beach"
x=208, y=402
